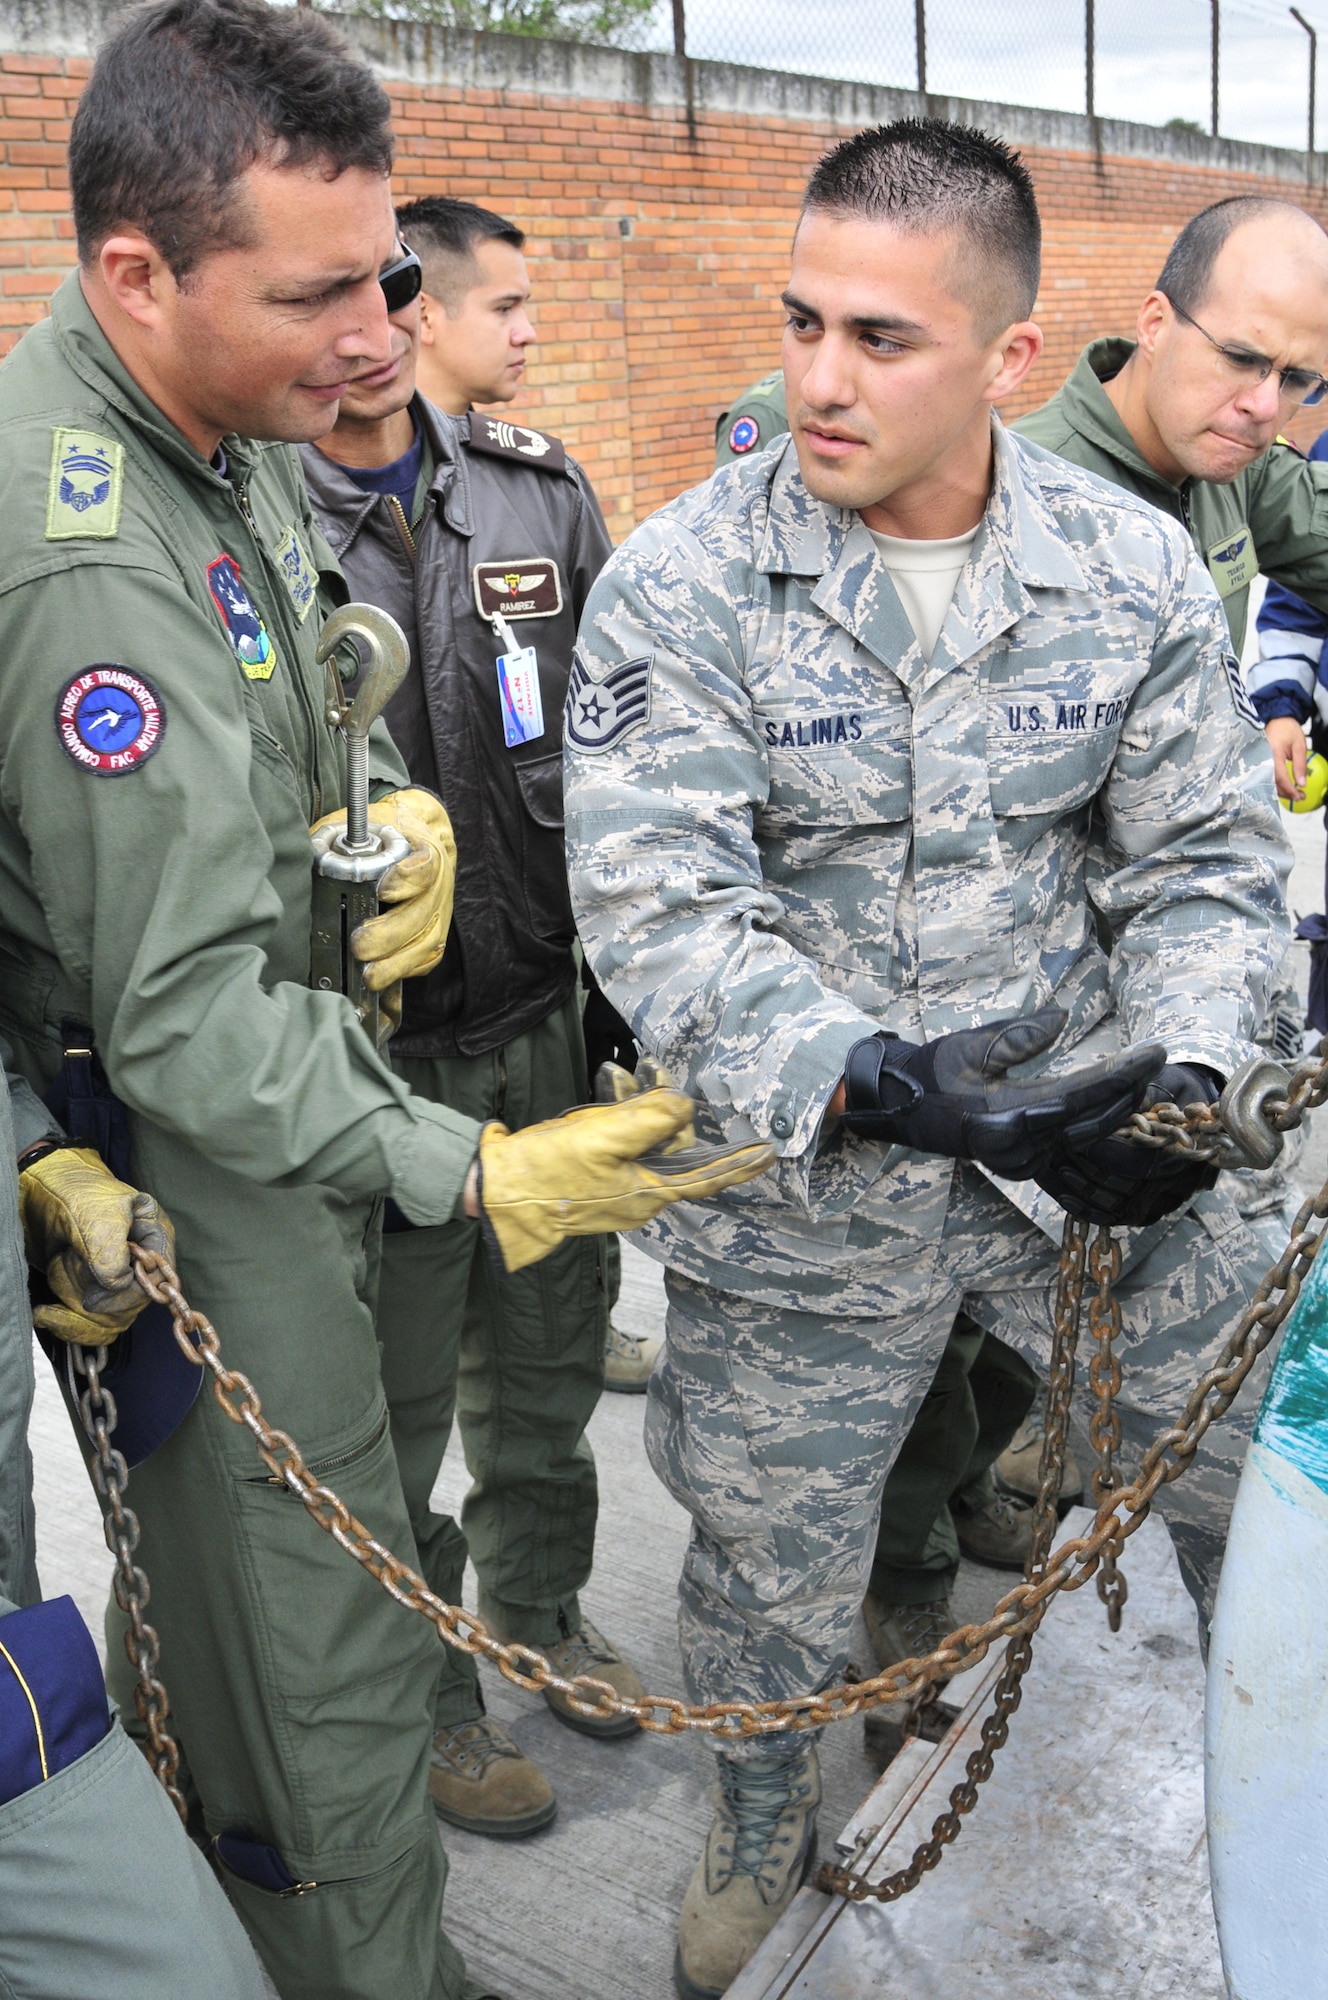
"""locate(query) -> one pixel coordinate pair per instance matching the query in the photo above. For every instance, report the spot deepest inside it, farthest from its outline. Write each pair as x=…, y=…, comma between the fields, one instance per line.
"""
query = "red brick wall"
x=646, y=336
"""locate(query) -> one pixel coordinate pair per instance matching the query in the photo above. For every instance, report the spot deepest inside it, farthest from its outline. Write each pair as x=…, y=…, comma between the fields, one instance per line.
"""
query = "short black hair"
x=443, y=234
x=1188, y=271
x=926, y=175
x=186, y=95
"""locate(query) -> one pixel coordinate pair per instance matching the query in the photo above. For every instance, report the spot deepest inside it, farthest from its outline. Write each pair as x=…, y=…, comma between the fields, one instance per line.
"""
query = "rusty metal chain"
x=1120, y=1511
x=1008, y=1692
x=1104, y=1430
x=110, y=1477
x=1068, y=1568
x=1198, y=1131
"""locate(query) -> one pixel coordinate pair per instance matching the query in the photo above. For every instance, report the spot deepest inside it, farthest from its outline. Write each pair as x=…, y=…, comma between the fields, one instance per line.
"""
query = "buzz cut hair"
x=187, y=95
x=927, y=177
x=1188, y=272
x=443, y=234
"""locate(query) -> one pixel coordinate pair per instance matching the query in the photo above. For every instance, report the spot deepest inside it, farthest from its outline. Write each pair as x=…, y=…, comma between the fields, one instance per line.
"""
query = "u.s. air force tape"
x=109, y=720
x=600, y=713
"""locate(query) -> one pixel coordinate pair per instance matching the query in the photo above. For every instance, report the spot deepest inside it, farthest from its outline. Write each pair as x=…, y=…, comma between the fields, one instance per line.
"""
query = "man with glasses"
x=1232, y=342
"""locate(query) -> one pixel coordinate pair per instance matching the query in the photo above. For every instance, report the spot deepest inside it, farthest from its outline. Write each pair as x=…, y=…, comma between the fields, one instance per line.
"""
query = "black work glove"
x=607, y=1036
x=952, y=1096
x=1113, y=1180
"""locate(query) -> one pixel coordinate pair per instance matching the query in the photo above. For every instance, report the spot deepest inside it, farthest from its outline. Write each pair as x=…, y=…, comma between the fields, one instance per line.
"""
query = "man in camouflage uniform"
x=824, y=837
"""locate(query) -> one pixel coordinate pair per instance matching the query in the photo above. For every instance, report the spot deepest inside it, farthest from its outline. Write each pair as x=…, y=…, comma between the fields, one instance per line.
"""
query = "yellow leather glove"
x=78, y=1222
x=409, y=936
x=603, y=1167
x=615, y=1085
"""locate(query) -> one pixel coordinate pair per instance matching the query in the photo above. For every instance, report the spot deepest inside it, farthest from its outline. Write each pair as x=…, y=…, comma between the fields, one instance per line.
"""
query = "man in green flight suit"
x=167, y=747
x=1232, y=341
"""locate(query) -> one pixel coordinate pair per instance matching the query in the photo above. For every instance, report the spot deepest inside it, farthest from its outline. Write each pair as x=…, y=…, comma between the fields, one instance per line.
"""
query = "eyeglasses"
x=1297, y=385
x=402, y=281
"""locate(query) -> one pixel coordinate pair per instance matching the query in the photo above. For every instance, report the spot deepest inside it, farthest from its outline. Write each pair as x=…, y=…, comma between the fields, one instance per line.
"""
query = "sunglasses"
x=402, y=281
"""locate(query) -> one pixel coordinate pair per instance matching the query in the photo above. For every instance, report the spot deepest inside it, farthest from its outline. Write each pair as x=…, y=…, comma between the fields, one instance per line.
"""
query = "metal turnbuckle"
x=350, y=864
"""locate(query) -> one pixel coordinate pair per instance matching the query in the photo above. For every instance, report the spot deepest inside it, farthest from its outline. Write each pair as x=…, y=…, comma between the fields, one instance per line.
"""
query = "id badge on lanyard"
x=518, y=688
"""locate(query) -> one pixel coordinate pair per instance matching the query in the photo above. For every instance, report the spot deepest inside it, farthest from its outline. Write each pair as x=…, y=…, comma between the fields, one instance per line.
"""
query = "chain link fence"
x=1153, y=61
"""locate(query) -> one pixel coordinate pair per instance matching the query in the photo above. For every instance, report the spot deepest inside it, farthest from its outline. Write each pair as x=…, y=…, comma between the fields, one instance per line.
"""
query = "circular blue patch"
x=744, y=435
x=109, y=719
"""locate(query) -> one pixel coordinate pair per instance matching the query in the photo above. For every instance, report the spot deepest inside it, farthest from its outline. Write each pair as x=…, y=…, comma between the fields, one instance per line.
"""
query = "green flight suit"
x=166, y=749
x=758, y=416
x=982, y=1389
x=1271, y=517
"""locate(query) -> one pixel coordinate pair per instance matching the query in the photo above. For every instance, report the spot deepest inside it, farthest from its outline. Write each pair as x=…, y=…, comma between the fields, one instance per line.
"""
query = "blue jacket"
x=1290, y=676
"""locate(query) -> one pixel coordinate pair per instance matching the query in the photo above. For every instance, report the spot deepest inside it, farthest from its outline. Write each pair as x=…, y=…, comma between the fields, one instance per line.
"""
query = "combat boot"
x=992, y=1529
x=760, y=1850
x=480, y=1780
x=628, y=1360
x=587, y=1651
x=905, y=1632
x=1017, y=1467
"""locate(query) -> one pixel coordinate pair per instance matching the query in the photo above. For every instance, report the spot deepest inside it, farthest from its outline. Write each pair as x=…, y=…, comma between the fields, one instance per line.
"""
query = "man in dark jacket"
x=482, y=538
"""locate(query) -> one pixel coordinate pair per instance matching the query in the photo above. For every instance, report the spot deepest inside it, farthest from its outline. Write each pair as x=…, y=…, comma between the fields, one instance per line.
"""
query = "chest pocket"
x=836, y=766
x=1051, y=739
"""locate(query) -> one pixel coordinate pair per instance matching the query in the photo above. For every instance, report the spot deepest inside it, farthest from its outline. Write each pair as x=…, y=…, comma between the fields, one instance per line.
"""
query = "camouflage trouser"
x=776, y=1429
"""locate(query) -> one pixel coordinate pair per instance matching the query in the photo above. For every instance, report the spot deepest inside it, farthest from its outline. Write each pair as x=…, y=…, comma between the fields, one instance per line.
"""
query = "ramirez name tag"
x=1233, y=562
x=528, y=588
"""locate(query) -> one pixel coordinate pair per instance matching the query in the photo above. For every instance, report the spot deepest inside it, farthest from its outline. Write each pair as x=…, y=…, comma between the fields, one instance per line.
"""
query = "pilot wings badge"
x=600, y=713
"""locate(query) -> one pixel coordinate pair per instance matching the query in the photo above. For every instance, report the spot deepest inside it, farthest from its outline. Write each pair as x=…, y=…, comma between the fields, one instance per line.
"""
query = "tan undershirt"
x=925, y=574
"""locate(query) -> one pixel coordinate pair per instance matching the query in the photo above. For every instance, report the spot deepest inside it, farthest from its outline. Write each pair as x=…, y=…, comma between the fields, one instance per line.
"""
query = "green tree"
x=1184, y=125
x=621, y=23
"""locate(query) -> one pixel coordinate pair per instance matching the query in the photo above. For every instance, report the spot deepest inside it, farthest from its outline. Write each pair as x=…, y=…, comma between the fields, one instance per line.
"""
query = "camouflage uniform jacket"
x=786, y=828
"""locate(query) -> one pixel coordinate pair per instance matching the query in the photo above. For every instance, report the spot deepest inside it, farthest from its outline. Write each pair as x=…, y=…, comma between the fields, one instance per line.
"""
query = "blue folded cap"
x=53, y=1706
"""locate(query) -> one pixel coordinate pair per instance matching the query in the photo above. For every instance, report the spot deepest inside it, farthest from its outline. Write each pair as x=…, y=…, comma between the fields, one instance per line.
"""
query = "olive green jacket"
x=155, y=877
x=1272, y=517
x=758, y=416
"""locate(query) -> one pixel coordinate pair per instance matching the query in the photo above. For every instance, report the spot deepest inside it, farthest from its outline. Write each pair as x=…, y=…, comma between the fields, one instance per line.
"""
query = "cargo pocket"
x=544, y=875
x=344, y=1671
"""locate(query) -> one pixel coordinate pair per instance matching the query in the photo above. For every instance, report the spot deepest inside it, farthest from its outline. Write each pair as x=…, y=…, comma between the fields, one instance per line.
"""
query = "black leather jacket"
x=506, y=499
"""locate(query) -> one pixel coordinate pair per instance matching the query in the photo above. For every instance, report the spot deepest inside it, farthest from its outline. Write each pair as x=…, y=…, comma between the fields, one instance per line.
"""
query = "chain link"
x=110, y=1476
x=1008, y=1692
x=1198, y=1131
x=1120, y=1511
x=1104, y=1431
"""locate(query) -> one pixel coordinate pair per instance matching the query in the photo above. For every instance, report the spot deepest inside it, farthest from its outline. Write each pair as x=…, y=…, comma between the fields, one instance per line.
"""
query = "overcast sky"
x=1152, y=55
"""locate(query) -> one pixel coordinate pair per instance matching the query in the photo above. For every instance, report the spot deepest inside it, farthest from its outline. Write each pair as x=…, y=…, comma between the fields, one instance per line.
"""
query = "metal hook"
x=384, y=659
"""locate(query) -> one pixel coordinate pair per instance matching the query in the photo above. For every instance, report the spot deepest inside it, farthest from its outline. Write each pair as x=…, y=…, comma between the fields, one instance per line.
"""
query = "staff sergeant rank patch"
x=109, y=720
x=525, y=587
x=244, y=628
x=1245, y=708
x=85, y=488
x=600, y=713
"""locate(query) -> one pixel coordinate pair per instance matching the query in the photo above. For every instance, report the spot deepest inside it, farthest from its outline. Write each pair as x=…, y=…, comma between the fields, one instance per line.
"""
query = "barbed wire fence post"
x=920, y=38
x=1090, y=52
x=1296, y=15
x=1216, y=59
